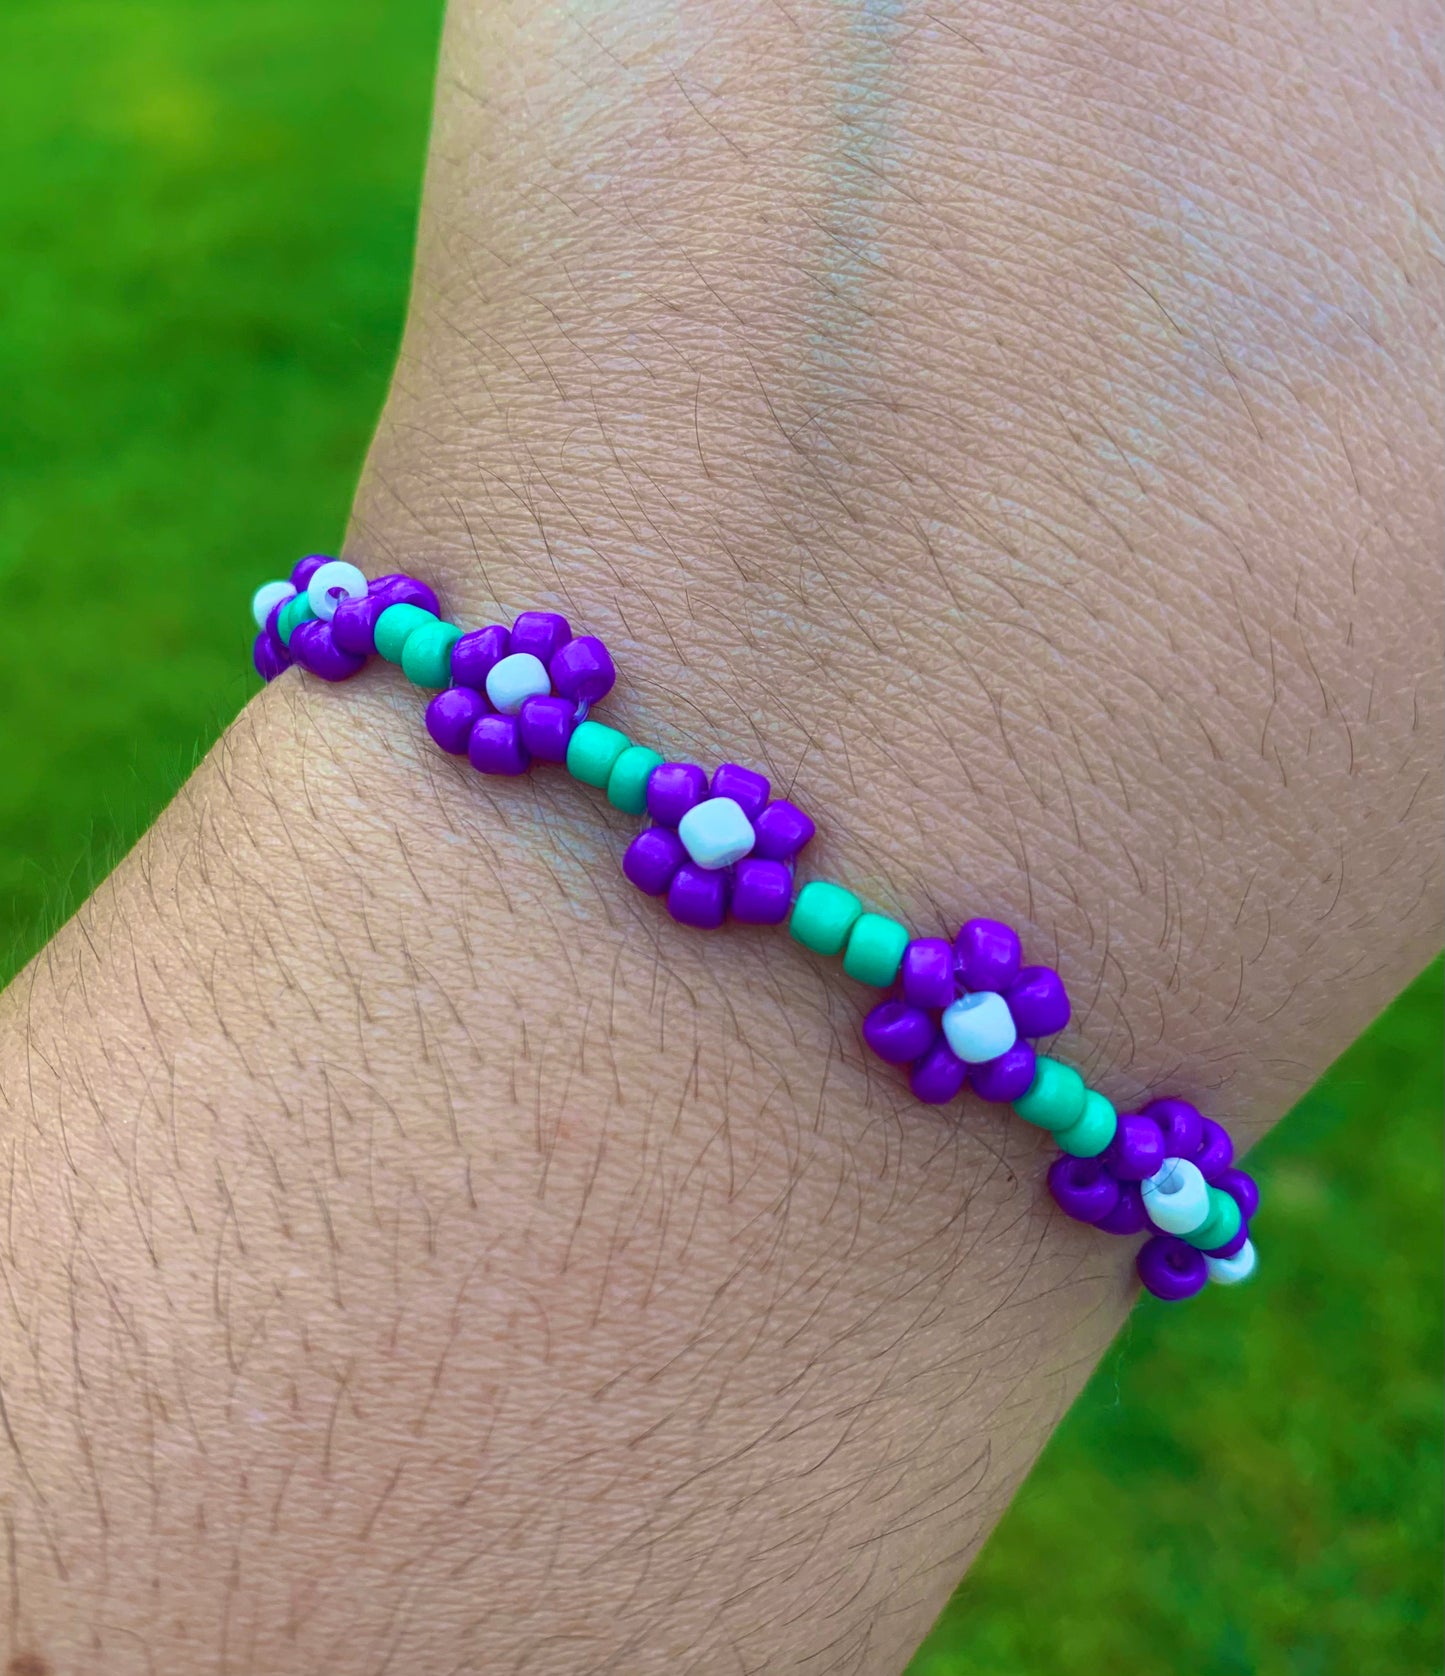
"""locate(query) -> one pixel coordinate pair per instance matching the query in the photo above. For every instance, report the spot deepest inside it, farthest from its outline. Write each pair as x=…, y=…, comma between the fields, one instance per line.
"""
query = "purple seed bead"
x=698, y=896
x=1181, y=1124
x=652, y=859
x=1007, y=1078
x=397, y=588
x=1242, y=1188
x=475, y=653
x=314, y=648
x=354, y=625
x=939, y=1075
x=988, y=955
x=304, y=569
x=749, y=790
x=762, y=892
x=451, y=716
x=1137, y=1149
x=782, y=830
x=548, y=723
x=898, y=1033
x=1083, y=1188
x=672, y=789
x=927, y=973
x=1215, y=1152
x=1170, y=1268
x=269, y=656
x=1232, y=1248
x=542, y=633
x=1038, y=1001
x=1128, y=1216
x=496, y=747
x=583, y=670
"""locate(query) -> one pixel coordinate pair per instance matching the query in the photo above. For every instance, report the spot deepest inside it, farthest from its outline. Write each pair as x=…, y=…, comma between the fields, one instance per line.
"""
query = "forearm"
x=417, y=1245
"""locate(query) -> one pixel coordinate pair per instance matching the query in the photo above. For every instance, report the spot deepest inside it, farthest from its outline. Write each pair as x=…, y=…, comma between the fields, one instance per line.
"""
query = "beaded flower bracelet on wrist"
x=960, y=1012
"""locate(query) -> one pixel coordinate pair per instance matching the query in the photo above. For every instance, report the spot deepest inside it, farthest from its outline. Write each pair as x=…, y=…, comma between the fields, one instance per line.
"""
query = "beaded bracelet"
x=958, y=1012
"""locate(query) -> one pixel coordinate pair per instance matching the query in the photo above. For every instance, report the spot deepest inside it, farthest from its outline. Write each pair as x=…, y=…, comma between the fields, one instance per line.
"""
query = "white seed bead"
x=1229, y=1271
x=1176, y=1197
x=716, y=833
x=979, y=1027
x=330, y=584
x=267, y=597
x=512, y=680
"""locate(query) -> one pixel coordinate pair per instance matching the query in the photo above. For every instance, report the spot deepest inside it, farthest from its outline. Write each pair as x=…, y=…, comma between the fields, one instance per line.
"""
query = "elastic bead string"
x=956, y=1013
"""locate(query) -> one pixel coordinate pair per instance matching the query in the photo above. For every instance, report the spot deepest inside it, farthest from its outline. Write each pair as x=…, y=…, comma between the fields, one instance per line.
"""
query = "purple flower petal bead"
x=698, y=896
x=496, y=747
x=749, y=790
x=354, y=625
x=762, y=892
x=583, y=670
x=1215, y=1152
x=652, y=859
x=939, y=1075
x=1242, y=1188
x=548, y=723
x=782, y=830
x=476, y=654
x=1083, y=1188
x=898, y=1033
x=542, y=633
x=1128, y=1216
x=314, y=648
x=304, y=569
x=672, y=789
x=1137, y=1149
x=451, y=716
x=988, y=955
x=927, y=973
x=1181, y=1124
x=1170, y=1268
x=1007, y=1078
x=269, y=656
x=1232, y=1248
x=1038, y=1001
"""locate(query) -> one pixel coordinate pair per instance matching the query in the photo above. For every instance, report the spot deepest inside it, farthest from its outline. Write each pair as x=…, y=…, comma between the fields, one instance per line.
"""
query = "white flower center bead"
x=1229, y=1271
x=330, y=584
x=979, y=1027
x=267, y=597
x=512, y=680
x=1176, y=1197
x=716, y=833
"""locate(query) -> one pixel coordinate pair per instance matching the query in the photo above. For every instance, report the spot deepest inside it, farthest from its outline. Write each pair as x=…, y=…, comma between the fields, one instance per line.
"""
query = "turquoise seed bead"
x=823, y=916
x=592, y=753
x=1088, y=1137
x=1222, y=1223
x=1056, y=1098
x=426, y=655
x=395, y=626
x=294, y=612
x=627, y=783
x=875, y=949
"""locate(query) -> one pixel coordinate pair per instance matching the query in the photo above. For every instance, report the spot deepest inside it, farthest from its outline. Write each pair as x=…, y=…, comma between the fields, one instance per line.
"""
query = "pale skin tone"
x=1015, y=432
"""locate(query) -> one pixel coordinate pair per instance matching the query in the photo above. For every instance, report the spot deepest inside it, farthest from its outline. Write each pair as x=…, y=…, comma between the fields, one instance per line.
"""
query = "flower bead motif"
x=719, y=846
x=975, y=1008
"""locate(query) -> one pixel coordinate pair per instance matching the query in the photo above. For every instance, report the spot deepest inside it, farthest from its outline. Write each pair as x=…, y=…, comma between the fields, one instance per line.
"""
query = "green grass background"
x=206, y=214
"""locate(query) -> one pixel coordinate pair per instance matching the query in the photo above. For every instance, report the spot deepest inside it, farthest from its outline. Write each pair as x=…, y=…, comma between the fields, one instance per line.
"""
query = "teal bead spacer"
x=823, y=915
x=1222, y=1223
x=395, y=625
x=1056, y=1098
x=627, y=783
x=875, y=949
x=592, y=753
x=1093, y=1131
x=426, y=654
x=293, y=613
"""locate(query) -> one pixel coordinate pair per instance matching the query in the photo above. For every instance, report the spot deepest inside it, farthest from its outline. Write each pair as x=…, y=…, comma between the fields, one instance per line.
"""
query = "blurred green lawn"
x=205, y=225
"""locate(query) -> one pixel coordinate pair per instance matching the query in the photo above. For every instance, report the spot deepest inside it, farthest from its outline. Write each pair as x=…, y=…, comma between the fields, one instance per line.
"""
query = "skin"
x=1016, y=433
